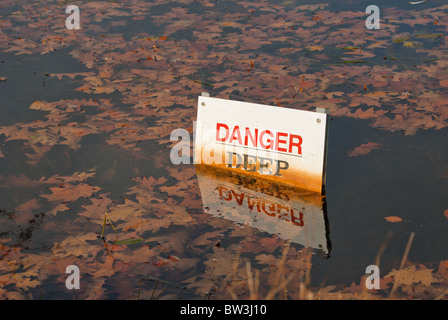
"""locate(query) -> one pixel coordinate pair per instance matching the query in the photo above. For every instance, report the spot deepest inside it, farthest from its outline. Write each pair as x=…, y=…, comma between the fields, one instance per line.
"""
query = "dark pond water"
x=185, y=243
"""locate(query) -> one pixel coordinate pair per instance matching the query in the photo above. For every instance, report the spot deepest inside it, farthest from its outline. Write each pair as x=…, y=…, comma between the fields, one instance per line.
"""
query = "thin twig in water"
x=403, y=260
x=378, y=258
x=153, y=291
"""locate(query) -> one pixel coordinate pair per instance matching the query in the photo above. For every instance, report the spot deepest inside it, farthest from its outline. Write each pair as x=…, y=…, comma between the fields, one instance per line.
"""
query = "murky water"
x=190, y=227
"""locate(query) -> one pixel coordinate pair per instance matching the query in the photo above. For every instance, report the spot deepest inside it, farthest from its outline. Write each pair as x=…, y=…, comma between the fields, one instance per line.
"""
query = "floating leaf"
x=444, y=83
x=393, y=219
x=164, y=262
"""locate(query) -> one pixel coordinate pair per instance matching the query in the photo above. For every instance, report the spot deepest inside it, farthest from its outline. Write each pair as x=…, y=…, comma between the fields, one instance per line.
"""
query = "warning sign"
x=275, y=143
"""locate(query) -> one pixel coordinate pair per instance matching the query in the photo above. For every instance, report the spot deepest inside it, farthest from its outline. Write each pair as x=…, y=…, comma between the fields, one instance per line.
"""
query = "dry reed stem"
x=281, y=265
x=253, y=281
x=403, y=260
x=250, y=282
x=234, y=272
x=271, y=294
x=379, y=254
x=304, y=291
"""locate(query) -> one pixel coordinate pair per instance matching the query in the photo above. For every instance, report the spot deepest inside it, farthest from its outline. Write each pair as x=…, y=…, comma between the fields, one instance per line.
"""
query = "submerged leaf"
x=129, y=241
x=315, y=48
x=400, y=39
x=351, y=48
x=364, y=149
x=429, y=35
x=413, y=275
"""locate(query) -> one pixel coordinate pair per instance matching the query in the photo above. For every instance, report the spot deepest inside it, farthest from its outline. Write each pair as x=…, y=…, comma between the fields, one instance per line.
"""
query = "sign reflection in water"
x=296, y=215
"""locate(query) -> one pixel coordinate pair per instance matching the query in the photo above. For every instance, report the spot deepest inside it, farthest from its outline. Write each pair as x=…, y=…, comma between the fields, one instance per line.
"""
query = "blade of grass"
x=203, y=83
x=154, y=290
x=112, y=225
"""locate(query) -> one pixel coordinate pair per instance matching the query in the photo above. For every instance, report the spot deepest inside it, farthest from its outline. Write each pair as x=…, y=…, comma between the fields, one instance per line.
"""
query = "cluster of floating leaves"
x=142, y=84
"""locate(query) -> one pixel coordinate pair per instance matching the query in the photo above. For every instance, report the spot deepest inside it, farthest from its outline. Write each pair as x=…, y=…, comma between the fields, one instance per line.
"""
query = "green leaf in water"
x=129, y=241
x=203, y=83
x=353, y=61
x=400, y=39
x=344, y=62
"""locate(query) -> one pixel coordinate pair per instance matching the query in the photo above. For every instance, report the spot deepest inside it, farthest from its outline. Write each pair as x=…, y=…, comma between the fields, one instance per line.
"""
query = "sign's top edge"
x=206, y=95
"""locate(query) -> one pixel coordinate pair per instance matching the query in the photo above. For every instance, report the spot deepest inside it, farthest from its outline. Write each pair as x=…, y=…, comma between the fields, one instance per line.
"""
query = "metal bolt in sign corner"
x=318, y=120
x=203, y=104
